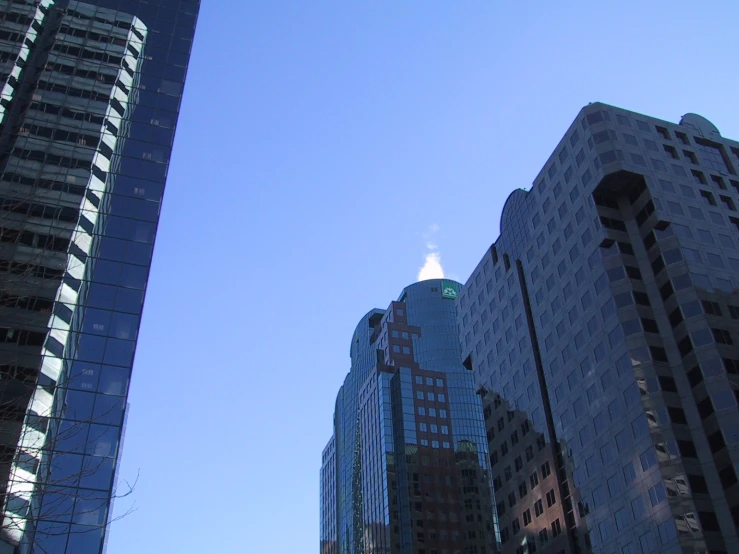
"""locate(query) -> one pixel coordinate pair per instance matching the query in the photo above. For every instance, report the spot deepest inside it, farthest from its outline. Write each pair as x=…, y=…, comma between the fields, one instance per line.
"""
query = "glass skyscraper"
x=88, y=107
x=602, y=329
x=407, y=469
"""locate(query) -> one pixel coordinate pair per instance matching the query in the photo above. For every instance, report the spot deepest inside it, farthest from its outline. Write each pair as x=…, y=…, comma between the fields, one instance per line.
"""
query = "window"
x=698, y=177
x=551, y=498
x=556, y=527
x=629, y=473
x=664, y=133
x=671, y=151
x=534, y=480
x=728, y=202
x=722, y=336
x=648, y=458
x=714, y=260
x=708, y=197
x=674, y=208
x=719, y=182
x=538, y=508
x=711, y=308
x=545, y=470
x=526, y=517
x=657, y=494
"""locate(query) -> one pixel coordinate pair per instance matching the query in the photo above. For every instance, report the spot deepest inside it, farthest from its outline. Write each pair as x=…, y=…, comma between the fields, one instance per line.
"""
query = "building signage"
x=450, y=290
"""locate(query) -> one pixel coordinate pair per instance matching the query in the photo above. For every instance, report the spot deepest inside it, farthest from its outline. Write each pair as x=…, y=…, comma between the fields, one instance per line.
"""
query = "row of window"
x=440, y=397
x=429, y=381
x=435, y=444
x=556, y=526
x=546, y=470
x=433, y=428
x=432, y=412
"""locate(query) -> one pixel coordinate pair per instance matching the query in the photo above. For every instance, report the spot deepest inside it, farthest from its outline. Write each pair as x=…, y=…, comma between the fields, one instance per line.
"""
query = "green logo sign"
x=450, y=290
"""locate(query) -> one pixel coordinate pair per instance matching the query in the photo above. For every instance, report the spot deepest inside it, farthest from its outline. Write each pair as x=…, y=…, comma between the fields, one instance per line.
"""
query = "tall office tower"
x=328, y=499
x=602, y=330
x=411, y=462
x=90, y=93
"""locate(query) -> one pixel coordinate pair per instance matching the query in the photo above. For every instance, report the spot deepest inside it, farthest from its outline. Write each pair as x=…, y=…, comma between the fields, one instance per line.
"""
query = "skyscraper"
x=411, y=463
x=603, y=322
x=88, y=106
x=328, y=499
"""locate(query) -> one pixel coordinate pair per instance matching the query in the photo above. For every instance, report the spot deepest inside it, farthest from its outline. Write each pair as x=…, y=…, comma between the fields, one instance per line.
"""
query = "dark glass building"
x=88, y=106
x=410, y=463
x=602, y=327
x=328, y=499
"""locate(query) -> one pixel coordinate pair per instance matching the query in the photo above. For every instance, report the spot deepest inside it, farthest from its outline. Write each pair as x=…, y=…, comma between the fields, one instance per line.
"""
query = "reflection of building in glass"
x=89, y=98
x=537, y=504
x=606, y=312
x=412, y=468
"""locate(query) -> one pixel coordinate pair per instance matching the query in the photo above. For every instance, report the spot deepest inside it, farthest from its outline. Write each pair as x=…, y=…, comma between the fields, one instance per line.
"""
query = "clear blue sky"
x=317, y=144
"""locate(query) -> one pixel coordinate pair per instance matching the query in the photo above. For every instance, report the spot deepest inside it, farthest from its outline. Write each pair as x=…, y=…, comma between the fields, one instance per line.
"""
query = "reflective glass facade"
x=328, y=499
x=602, y=330
x=411, y=454
x=88, y=106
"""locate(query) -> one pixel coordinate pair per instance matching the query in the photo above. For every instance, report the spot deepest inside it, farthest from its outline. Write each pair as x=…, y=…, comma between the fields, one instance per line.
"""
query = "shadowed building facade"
x=602, y=328
x=90, y=93
x=411, y=463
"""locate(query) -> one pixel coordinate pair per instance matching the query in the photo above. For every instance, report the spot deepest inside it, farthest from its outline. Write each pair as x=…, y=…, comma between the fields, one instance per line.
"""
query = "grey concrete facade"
x=602, y=331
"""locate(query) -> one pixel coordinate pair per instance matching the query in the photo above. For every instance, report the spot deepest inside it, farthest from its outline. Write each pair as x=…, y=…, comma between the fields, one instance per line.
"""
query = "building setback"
x=602, y=330
x=411, y=461
x=89, y=99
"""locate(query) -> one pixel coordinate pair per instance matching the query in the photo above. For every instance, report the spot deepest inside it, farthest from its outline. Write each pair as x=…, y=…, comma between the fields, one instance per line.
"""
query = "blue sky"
x=318, y=144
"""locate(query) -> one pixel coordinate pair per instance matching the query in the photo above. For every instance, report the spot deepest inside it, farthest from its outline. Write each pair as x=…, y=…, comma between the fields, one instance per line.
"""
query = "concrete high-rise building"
x=407, y=469
x=89, y=98
x=602, y=329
